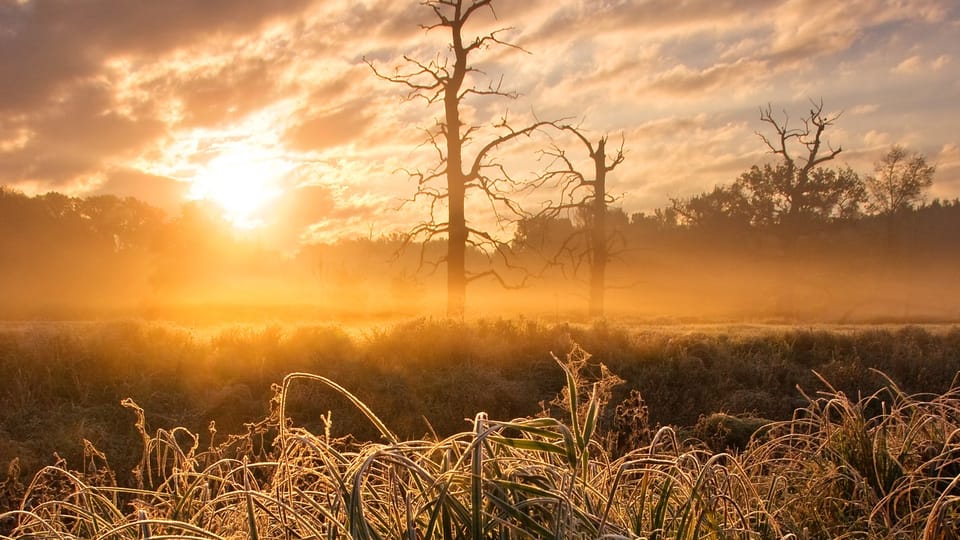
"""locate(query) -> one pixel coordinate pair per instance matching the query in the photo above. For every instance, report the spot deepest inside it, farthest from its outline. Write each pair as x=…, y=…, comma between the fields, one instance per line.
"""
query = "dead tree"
x=588, y=197
x=794, y=192
x=451, y=79
x=797, y=188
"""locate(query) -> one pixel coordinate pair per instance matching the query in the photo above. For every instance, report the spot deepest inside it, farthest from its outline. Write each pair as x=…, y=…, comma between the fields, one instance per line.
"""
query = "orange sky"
x=266, y=106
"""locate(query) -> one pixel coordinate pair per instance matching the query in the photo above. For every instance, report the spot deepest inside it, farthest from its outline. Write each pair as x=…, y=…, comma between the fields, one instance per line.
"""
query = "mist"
x=105, y=257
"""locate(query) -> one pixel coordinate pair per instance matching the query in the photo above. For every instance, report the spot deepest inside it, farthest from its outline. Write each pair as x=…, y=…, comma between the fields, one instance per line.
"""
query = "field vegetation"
x=470, y=430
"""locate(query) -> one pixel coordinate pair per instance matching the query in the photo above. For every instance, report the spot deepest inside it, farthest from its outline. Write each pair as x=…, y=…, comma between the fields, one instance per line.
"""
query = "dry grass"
x=882, y=466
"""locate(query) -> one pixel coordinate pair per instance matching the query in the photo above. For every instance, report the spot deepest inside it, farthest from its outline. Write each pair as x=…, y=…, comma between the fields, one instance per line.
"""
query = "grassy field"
x=162, y=430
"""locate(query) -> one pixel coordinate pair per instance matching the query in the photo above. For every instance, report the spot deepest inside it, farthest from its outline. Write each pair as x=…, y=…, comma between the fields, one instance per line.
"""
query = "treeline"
x=70, y=257
x=75, y=257
x=862, y=268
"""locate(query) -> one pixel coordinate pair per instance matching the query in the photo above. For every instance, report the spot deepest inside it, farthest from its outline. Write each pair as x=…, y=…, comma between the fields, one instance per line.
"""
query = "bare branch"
x=599, y=246
x=492, y=37
x=430, y=92
x=487, y=148
x=451, y=79
x=618, y=157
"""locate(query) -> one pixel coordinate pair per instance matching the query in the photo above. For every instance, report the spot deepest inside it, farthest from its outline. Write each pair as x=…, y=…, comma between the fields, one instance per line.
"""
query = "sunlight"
x=242, y=184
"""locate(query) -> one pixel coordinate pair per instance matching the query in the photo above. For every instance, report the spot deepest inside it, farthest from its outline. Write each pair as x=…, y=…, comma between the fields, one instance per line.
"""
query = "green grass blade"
x=574, y=402
x=590, y=422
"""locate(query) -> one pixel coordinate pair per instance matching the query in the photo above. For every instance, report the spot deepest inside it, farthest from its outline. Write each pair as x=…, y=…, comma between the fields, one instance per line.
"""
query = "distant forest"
x=712, y=257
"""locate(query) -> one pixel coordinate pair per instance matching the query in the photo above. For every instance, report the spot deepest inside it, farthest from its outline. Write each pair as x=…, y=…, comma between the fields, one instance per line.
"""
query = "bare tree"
x=794, y=192
x=450, y=79
x=797, y=189
x=900, y=181
x=589, y=198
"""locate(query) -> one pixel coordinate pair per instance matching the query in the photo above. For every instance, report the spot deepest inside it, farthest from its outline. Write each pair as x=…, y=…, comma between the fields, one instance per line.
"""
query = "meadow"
x=439, y=429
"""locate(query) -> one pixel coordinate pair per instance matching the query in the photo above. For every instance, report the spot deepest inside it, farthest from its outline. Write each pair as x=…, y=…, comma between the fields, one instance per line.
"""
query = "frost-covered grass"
x=884, y=465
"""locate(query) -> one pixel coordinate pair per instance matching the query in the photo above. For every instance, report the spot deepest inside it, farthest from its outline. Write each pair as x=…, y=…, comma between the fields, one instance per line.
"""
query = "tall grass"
x=64, y=381
x=881, y=466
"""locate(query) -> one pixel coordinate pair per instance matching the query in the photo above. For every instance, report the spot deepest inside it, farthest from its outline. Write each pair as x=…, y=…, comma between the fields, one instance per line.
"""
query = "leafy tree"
x=544, y=233
x=778, y=195
x=899, y=182
x=452, y=79
x=722, y=208
x=124, y=223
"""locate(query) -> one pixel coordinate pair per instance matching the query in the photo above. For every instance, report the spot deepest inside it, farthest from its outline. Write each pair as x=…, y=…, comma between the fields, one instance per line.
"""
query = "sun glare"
x=242, y=184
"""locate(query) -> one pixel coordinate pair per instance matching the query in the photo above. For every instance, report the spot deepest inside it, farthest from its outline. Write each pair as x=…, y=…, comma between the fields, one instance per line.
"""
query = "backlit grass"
x=881, y=466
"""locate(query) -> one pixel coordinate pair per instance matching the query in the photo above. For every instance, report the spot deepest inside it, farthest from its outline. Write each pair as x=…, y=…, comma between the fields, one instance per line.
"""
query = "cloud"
x=296, y=210
x=341, y=86
x=49, y=45
x=805, y=29
x=745, y=47
x=810, y=29
x=165, y=193
x=225, y=92
x=654, y=18
x=679, y=156
x=946, y=181
x=864, y=109
x=315, y=213
x=331, y=128
x=87, y=124
x=875, y=139
x=917, y=64
x=912, y=64
x=950, y=153
x=682, y=80
x=84, y=92
x=75, y=138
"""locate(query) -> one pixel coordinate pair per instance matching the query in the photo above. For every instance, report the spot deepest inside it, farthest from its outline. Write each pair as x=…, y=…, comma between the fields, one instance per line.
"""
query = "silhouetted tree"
x=793, y=193
x=899, y=182
x=797, y=191
x=543, y=233
x=123, y=223
x=826, y=194
x=449, y=78
x=589, y=199
x=195, y=249
x=723, y=208
x=59, y=252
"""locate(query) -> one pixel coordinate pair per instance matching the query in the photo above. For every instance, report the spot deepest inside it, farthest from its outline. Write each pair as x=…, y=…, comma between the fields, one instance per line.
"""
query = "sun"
x=242, y=184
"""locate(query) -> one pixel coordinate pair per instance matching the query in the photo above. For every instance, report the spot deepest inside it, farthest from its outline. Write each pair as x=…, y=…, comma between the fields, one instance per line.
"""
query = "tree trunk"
x=446, y=78
x=598, y=233
x=456, y=248
x=456, y=183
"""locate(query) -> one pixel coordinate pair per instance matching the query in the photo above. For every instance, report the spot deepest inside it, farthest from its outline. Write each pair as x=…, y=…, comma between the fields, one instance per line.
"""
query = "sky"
x=269, y=109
